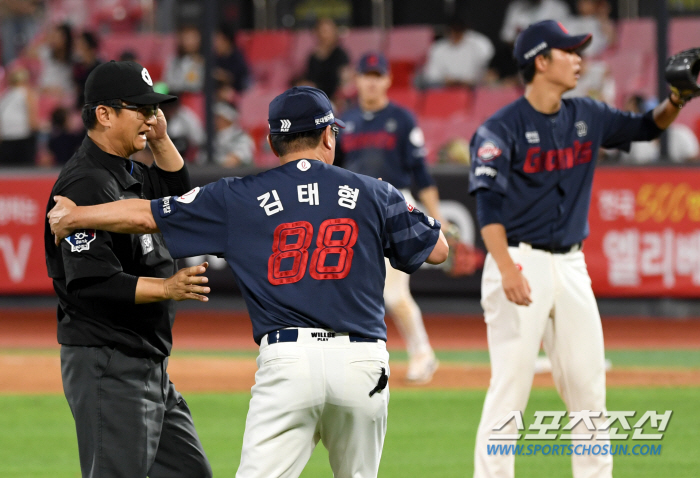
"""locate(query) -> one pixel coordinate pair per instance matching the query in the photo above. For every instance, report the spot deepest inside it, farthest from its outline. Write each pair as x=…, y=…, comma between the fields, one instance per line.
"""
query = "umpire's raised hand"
x=185, y=284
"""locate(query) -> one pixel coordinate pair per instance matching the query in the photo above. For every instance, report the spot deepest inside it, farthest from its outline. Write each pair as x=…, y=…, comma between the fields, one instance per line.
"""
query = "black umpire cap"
x=302, y=108
x=122, y=80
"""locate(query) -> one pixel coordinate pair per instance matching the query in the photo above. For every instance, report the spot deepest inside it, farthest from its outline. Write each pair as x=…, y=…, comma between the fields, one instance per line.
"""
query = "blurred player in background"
x=532, y=173
x=382, y=140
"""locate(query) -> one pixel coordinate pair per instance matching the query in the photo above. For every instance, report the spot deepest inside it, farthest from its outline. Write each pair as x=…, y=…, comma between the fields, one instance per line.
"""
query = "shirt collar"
x=114, y=164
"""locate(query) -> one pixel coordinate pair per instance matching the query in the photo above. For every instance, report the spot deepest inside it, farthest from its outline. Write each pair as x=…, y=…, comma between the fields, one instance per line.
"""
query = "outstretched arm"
x=130, y=216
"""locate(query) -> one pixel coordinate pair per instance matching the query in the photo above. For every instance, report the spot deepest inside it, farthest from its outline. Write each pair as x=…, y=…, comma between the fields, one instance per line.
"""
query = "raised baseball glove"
x=682, y=73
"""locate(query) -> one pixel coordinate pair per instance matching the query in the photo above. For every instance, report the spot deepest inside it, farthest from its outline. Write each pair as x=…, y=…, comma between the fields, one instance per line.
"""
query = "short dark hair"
x=527, y=72
x=89, y=116
x=90, y=40
x=291, y=143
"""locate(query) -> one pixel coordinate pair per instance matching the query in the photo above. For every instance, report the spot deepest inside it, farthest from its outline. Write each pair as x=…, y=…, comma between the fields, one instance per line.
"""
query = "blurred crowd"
x=45, y=66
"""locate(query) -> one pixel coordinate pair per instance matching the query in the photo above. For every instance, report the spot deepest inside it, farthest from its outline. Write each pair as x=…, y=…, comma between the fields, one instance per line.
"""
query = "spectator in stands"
x=231, y=66
x=19, y=24
x=233, y=146
x=593, y=16
x=683, y=145
x=185, y=72
x=521, y=13
x=63, y=142
x=56, y=58
x=86, y=60
x=18, y=121
x=184, y=128
x=460, y=59
x=328, y=65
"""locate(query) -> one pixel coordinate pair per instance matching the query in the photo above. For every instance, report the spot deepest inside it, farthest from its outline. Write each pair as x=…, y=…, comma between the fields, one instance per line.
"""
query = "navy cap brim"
x=340, y=123
x=576, y=43
x=150, y=99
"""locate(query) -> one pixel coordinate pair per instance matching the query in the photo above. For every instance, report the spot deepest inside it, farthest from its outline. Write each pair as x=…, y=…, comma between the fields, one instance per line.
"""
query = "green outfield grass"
x=431, y=434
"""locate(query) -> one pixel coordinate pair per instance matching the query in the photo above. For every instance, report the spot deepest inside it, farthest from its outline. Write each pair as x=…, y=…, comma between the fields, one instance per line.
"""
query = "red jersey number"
x=298, y=250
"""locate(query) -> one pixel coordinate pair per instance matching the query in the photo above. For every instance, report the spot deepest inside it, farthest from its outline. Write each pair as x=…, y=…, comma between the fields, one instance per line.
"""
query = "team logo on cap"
x=286, y=124
x=146, y=77
x=488, y=151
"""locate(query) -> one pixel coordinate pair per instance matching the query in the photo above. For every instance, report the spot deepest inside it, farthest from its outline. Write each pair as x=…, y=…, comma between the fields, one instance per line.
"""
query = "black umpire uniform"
x=130, y=420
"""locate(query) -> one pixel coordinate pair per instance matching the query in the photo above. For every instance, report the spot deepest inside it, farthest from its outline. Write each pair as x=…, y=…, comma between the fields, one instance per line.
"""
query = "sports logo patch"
x=409, y=206
x=80, y=240
x=581, y=128
x=488, y=151
x=485, y=171
x=188, y=197
x=146, y=243
x=324, y=118
x=285, y=124
x=166, y=206
x=303, y=165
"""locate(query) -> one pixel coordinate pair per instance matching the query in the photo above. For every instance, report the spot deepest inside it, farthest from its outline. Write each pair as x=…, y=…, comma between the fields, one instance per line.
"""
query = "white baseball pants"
x=563, y=317
x=312, y=390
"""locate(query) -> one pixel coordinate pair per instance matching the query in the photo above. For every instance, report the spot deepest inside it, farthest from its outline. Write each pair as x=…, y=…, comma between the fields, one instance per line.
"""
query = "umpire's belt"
x=292, y=335
x=554, y=250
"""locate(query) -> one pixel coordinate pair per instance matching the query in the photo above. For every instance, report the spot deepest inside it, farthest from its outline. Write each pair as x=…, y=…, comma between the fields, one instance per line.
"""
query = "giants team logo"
x=409, y=206
x=80, y=240
x=188, y=197
x=488, y=151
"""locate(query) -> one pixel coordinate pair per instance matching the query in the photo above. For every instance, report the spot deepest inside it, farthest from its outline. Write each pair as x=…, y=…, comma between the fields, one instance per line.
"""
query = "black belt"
x=292, y=335
x=554, y=250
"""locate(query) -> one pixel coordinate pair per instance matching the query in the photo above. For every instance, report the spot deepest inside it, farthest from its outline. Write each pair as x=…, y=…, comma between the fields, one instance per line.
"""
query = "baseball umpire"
x=115, y=314
x=532, y=173
x=382, y=140
x=306, y=242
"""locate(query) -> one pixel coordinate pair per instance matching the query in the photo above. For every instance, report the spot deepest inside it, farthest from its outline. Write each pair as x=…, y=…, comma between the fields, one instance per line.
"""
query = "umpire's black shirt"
x=95, y=272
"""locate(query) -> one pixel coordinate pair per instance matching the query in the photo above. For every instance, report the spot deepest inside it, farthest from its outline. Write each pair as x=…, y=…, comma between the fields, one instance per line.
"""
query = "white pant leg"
x=353, y=424
x=514, y=337
x=287, y=401
x=404, y=310
x=574, y=342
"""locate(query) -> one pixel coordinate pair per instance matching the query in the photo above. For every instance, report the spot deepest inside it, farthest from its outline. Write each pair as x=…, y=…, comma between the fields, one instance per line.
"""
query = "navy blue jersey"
x=543, y=164
x=306, y=242
x=385, y=144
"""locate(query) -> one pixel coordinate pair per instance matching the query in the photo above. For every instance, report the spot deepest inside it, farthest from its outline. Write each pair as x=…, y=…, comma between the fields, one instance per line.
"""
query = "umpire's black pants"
x=131, y=422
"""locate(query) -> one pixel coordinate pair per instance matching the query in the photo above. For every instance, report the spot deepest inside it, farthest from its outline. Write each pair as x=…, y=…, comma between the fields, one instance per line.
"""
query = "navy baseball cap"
x=373, y=63
x=122, y=80
x=544, y=35
x=302, y=108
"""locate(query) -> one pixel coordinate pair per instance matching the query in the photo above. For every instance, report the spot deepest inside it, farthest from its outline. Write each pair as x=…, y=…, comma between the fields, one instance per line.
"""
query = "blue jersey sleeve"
x=490, y=150
x=196, y=222
x=413, y=147
x=620, y=128
x=409, y=235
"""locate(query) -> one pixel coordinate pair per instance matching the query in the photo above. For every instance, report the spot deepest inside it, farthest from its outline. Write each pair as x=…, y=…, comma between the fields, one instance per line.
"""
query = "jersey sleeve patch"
x=416, y=137
x=166, y=206
x=80, y=240
x=488, y=151
x=188, y=197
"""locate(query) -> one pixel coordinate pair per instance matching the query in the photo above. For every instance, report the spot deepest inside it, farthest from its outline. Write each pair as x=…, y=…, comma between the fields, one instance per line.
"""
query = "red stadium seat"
x=359, y=41
x=304, y=43
x=683, y=33
x=489, y=100
x=269, y=45
x=407, y=97
x=439, y=131
x=637, y=34
x=409, y=43
x=443, y=103
x=253, y=107
x=272, y=73
x=195, y=102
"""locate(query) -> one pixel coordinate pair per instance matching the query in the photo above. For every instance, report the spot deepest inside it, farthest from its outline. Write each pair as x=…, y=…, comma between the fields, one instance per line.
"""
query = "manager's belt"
x=292, y=335
x=554, y=250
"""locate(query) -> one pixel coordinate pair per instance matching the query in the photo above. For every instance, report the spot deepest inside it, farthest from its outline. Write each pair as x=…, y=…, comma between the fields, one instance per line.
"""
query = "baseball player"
x=114, y=313
x=382, y=140
x=532, y=172
x=306, y=242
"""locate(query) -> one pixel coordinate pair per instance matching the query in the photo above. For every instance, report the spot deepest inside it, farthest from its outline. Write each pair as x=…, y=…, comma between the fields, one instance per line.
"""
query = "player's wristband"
x=677, y=105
